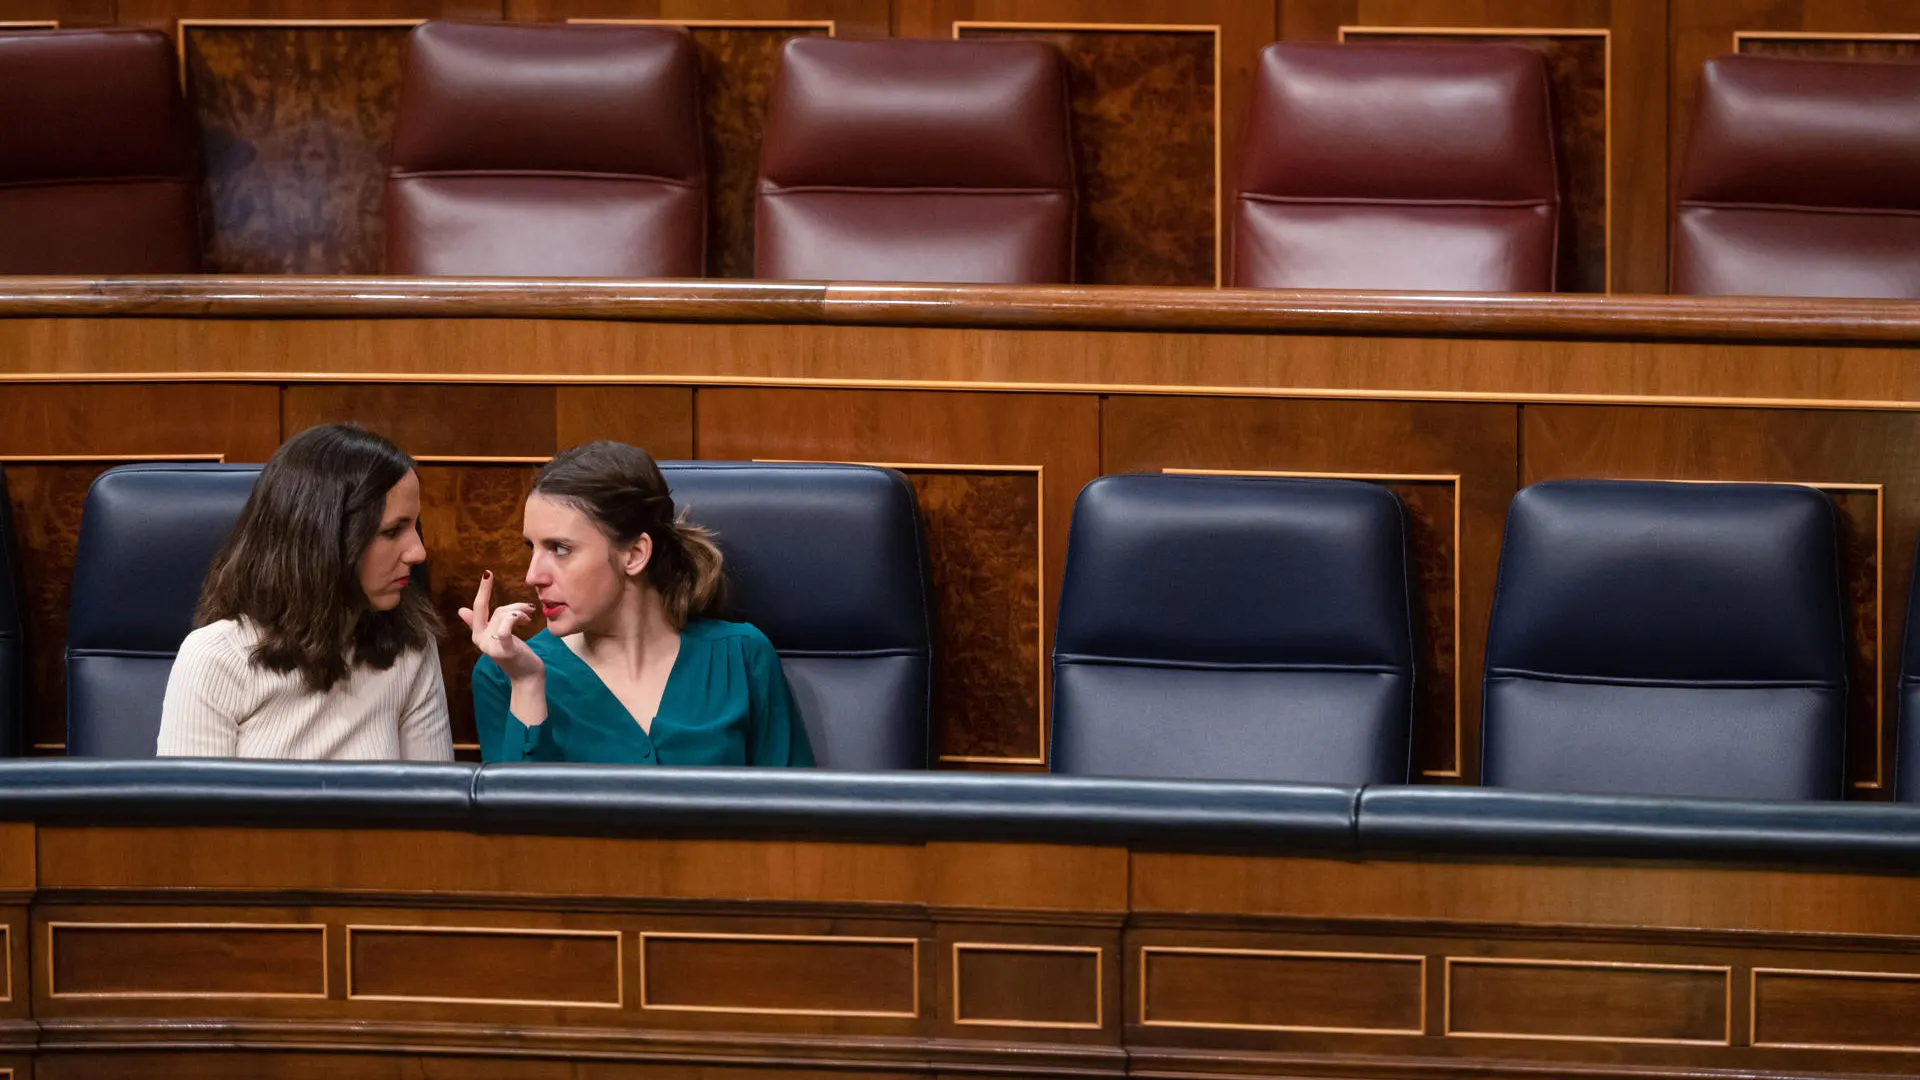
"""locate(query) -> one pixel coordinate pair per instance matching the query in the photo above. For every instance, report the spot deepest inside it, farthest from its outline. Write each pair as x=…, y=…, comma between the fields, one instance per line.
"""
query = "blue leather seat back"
x=1668, y=639
x=1907, y=758
x=12, y=634
x=147, y=536
x=1234, y=628
x=828, y=562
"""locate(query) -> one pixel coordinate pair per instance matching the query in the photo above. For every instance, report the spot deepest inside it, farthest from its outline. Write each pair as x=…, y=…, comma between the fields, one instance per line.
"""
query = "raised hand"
x=493, y=634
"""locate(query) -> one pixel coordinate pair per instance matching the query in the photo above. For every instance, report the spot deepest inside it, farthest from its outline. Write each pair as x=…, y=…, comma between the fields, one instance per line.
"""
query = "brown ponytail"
x=621, y=489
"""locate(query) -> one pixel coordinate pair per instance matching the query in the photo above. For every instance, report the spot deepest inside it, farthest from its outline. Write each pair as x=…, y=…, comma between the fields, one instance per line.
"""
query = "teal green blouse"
x=726, y=703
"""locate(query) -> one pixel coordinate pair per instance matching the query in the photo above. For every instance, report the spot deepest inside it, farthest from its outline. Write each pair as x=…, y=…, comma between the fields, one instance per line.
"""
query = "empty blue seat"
x=12, y=645
x=147, y=535
x=1234, y=628
x=1668, y=639
x=828, y=562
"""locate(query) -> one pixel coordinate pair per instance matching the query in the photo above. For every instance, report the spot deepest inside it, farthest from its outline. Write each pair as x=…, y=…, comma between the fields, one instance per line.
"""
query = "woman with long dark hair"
x=316, y=640
x=634, y=665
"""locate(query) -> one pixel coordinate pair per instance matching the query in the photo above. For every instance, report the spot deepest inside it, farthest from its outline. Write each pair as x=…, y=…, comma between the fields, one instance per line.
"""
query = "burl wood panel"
x=1831, y=450
x=47, y=504
x=1858, y=1009
x=970, y=518
x=1623, y=1002
x=1144, y=108
x=1027, y=985
x=1577, y=77
x=817, y=976
x=186, y=960
x=528, y=967
x=1386, y=442
x=296, y=125
x=1281, y=991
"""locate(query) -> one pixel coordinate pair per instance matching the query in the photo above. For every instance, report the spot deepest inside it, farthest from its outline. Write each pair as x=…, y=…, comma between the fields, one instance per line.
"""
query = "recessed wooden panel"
x=1262, y=990
x=163, y=960
x=1027, y=985
x=508, y=967
x=1860, y=1010
x=1546, y=999
x=1145, y=114
x=1863, y=461
x=296, y=126
x=812, y=976
x=46, y=502
x=1416, y=450
x=464, y=420
x=1577, y=63
x=659, y=418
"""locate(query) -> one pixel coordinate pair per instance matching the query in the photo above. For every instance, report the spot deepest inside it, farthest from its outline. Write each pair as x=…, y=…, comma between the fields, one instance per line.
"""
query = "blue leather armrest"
x=930, y=806
x=396, y=794
x=1492, y=821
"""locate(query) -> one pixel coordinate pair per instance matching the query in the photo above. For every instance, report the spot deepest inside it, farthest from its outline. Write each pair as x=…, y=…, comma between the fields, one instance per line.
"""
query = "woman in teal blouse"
x=630, y=668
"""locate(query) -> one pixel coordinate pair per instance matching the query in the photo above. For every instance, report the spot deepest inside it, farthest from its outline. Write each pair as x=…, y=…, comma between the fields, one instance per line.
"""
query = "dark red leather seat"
x=98, y=170
x=899, y=160
x=1801, y=178
x=1426, y=167
x=548, y=150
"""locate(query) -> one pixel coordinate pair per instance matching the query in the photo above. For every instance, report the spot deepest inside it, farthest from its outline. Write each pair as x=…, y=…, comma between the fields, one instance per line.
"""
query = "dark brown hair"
x=621, y=489
x=291, y=566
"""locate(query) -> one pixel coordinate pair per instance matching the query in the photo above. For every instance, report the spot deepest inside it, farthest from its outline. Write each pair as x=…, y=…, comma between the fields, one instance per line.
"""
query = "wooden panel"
x=850, y=18
x=971, y=517
x=814, y=976
x=1029, y=876
x=1547, y=999
x=1834, y=1009
x=501, y=966
x=1577, y=65
x=1144, y=142
x=1611, y=111
x=462, y=420
x=659, y=418
x=1866, y=460
x=54, y=441
x=1888, y=49
x=1268, y=990
x=1454, y=526
x=161, y=960
x=1027, y=985
x=296, y=123
x=1148, y=113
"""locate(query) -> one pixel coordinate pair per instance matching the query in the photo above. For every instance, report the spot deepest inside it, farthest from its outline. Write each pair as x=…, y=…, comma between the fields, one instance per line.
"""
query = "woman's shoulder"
x=741, y=637
x=224, y=640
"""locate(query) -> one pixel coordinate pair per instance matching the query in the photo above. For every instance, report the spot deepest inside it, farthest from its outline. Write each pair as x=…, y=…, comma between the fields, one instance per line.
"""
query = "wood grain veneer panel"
x=1027, y=985
x=465, y=420
x=1865, y=461
x=659, y=418
x=296, y=125
x=186, y=960
x=819, y=976
x=1278, y=990
x=976, y=453
x=520, y=967
x=1836, y=1009
x=1585, y=1000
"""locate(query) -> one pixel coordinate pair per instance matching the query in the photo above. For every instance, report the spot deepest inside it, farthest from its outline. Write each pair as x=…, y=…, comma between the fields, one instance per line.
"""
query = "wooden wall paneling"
x=1866, y=462
x=1160, y=94
x=996, y=476
x=1833, y=29
x=478, y=446
x=54, y=440
x=1609, y=91
x=1452, y=466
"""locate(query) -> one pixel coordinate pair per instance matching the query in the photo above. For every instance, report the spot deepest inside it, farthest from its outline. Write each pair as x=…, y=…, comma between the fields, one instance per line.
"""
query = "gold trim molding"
x=1148, y=951
x=54, y=991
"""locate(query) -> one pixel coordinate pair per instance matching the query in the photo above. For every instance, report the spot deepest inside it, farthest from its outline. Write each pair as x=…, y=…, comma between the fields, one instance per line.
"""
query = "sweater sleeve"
x=425, y=732
x=206, y=696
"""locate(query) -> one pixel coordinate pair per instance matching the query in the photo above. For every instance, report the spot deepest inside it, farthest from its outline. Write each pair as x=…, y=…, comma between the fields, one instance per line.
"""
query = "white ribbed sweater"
x=219, y=705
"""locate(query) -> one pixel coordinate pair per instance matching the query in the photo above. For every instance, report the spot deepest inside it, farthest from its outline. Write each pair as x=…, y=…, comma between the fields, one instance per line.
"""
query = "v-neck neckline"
x=646, y=731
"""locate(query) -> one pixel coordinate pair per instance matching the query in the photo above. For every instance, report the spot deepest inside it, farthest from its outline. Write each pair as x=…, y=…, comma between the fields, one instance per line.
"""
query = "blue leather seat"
x=1668, y=639
x=12, y=643
x=1234, y=628
x=146, y=537
x=828, y=562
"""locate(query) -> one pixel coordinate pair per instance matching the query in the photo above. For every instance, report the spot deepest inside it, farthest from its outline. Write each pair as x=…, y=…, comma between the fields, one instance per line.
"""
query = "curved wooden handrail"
x=1062, y=307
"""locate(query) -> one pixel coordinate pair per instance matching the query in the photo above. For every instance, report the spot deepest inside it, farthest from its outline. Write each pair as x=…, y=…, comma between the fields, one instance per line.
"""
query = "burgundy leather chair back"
x=1801, y=178
x=548, y=150
x=901, y=160
x=98, y=169
x=1421, y=167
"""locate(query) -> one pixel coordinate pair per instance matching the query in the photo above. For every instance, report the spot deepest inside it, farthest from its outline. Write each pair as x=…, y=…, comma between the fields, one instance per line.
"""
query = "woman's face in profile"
x=396, y=548
x=573, y=566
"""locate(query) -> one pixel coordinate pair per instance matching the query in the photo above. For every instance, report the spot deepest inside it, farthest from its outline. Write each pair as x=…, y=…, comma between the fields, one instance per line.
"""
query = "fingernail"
x=486, y=575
